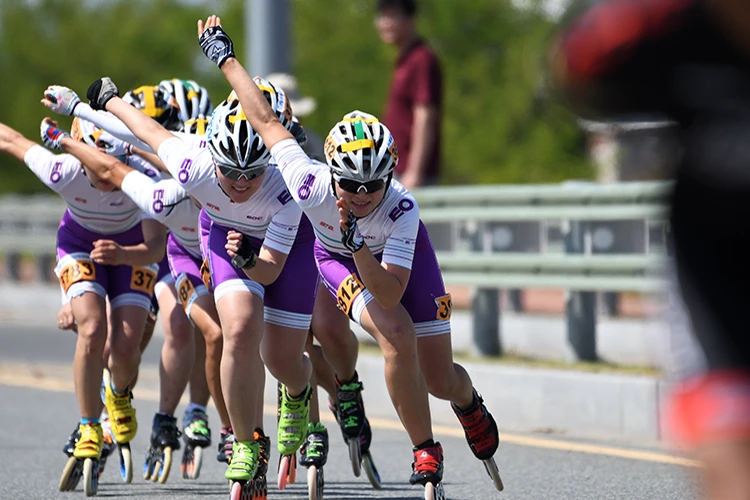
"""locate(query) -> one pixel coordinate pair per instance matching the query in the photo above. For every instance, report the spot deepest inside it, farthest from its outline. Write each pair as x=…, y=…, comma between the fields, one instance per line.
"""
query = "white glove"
x=61, y=100
x=114, y=146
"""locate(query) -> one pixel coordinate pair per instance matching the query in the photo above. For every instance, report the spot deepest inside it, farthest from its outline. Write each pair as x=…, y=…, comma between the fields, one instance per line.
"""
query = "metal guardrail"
x=497, y=237
x=581, y=211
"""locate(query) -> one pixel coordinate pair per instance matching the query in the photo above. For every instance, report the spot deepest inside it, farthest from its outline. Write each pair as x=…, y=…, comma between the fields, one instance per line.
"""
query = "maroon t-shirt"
x=416, y=80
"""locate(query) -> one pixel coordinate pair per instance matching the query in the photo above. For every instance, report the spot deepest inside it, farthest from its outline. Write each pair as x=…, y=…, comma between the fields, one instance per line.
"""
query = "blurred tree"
x=499, y=125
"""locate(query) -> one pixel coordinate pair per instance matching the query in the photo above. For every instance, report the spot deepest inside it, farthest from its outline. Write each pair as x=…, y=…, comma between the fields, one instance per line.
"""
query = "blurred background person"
x=414, y=108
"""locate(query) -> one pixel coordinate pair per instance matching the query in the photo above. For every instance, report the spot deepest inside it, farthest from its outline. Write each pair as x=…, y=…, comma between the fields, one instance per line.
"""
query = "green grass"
x=526, y=362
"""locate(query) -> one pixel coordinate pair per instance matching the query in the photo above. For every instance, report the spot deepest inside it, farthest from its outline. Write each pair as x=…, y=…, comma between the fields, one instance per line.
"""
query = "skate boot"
x=197, y=436
x=244, y=462
x=481, y=434
x=293, y=419
x=73, y=469
x=314, y=450
x=427, y=470
x=85, y=460
x=293, y=416
x=226, y=444
x=313, y=455
x=123, y=423
x=164, y=440
x=350, y=415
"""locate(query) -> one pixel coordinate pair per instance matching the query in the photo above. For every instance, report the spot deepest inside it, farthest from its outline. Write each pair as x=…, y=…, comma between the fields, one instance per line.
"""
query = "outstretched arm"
x=65, y=101
x=14, y=143
x=104, y=166
x=218, y=47
x=103, y=94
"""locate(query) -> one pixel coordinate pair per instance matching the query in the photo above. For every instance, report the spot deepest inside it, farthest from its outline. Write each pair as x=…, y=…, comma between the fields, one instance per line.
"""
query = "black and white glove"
x=217, y=45
x=351, y=237
x=245, y=258
x=52, y=135
x=100, y=92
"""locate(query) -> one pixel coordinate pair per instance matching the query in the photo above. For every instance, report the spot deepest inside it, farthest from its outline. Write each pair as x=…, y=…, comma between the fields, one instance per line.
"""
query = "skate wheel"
x=434, y=491
x=235, y=493
x=166, y=465
x=90, y=477
x=371, y=471
x=315, y=483
x=292, y=477
x=491, y=467
x=194, y=468
x=71, y=474
x=355, y=456
x=284, y=468
x=148, y=466
x=126, y=463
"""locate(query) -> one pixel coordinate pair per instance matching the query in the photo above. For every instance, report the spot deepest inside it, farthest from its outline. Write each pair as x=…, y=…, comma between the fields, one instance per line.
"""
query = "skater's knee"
x=92, y=329
x=399, y=340
x=180, y=331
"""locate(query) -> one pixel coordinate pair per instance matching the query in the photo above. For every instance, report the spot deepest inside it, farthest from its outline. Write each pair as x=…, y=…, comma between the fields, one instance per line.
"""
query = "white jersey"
x=269, y=215
x=167, y=202
x=104, y=213
x=391, y=228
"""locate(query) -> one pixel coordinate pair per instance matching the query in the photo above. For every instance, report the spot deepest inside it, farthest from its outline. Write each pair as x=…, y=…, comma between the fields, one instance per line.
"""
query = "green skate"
x=244, y=461
x=293, y=419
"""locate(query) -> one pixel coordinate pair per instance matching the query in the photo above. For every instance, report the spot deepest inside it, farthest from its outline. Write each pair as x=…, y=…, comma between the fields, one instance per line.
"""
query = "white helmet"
x=360, y=148
x=278, y=101
x=232, y=140
x=193, y=102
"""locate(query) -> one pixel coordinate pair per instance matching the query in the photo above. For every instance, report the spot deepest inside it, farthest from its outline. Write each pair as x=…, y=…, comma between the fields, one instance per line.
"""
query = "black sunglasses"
x=351, y=186
x=234, y=174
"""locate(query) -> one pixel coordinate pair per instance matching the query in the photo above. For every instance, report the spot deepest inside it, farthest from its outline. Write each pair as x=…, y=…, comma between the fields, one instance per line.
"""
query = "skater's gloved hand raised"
x=52, y=136
x=214, y=41
x=100, y=92
x=61, y=100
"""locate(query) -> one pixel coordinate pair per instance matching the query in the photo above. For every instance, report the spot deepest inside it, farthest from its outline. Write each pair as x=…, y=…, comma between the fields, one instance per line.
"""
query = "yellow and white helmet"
x=193, y=102
x=157, y=104
x=360, y=148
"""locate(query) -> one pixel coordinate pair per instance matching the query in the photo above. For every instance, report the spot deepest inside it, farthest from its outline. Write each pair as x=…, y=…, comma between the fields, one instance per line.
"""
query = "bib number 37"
x=143, y=280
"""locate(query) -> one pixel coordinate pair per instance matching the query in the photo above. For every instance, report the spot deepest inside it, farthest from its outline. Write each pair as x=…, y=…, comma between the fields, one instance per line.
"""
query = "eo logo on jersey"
x=403, y=206
x=304, y=190
x=55, y=175
x=158, y=204
x=184, y=174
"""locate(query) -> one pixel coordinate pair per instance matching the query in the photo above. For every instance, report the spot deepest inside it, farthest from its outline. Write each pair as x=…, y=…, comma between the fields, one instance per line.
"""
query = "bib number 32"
x=348, y=291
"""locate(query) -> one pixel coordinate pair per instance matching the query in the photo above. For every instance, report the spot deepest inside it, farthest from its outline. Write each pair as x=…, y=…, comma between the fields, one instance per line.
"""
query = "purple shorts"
x=425, y=298
x=186, y=273
x=123, y=285
x=290, y=299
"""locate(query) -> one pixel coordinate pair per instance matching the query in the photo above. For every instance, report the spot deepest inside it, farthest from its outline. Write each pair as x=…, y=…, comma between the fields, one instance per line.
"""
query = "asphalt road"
x=38, y=411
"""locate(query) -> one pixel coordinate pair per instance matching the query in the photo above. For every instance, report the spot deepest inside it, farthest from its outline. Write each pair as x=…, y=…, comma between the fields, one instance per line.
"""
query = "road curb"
x=557, y=401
